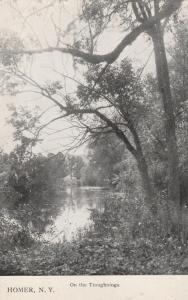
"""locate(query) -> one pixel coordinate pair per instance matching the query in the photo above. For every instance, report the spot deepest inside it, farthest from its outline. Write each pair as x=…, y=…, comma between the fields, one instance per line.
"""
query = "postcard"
x=93, y=149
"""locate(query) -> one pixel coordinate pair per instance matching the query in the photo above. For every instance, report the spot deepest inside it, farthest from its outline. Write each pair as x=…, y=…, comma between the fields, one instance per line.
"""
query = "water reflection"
x=74, y=216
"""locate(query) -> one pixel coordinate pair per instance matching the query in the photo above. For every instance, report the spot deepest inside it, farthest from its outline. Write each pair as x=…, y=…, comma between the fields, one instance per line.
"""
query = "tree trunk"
x=143, y=170
x=146, y=182
x=165, y=90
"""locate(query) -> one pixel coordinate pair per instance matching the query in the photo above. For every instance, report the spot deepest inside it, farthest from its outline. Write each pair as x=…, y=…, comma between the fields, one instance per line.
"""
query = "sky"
x=23, y=21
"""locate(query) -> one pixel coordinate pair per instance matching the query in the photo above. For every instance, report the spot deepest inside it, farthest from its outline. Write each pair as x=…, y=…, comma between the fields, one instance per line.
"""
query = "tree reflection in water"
x=74, y=215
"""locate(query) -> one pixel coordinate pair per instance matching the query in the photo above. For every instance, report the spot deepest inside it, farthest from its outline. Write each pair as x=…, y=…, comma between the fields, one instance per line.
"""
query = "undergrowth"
x=122, y=241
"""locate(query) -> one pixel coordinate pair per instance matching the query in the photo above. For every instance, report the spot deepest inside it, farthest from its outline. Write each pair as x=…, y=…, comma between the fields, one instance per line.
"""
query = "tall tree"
x=157, y=34
x=178, y=66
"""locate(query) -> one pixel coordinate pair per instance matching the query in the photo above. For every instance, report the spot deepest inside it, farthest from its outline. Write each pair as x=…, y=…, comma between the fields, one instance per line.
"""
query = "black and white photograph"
x=93, y=138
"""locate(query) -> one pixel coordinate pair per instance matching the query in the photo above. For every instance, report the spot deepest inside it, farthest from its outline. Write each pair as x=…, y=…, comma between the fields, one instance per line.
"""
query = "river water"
x=74, y=216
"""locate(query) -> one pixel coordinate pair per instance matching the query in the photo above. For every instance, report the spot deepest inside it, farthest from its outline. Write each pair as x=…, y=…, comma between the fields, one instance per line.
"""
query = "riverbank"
x=113, y=245
x=96, y=255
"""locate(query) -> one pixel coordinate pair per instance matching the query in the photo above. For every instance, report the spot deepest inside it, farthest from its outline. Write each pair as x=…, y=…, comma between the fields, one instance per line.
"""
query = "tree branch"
x=111, y=124
x=167, y=10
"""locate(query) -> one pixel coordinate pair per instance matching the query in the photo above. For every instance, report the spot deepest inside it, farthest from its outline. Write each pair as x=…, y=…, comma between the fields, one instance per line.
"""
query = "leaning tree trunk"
x=146, y=182
x=171, y=142
x=143, y=171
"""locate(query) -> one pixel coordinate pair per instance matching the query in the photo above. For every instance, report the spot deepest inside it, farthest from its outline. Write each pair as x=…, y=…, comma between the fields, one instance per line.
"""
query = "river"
x=74, y=215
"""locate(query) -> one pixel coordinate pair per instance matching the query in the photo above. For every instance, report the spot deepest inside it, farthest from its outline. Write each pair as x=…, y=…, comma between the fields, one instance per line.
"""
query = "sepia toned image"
x=94, y=138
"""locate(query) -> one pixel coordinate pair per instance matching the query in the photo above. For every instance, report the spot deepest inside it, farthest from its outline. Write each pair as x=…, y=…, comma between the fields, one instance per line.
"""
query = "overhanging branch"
x=167, y=10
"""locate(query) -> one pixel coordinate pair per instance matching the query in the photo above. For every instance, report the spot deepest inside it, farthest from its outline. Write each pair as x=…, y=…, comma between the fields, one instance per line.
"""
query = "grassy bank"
x=115, y=244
